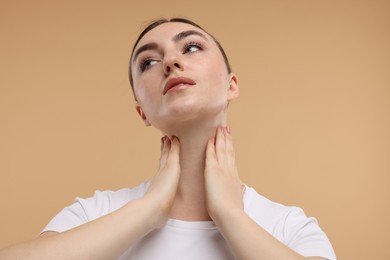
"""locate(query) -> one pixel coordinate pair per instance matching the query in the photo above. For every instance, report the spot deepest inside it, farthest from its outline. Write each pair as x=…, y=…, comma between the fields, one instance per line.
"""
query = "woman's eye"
x=146, y=64
x=192, y=47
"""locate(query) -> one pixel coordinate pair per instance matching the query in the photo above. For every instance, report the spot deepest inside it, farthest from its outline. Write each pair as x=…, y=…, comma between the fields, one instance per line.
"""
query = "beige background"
x=311, y=127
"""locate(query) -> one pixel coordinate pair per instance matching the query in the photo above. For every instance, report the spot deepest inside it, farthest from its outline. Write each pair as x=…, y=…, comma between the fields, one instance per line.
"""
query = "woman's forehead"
x=167, y=31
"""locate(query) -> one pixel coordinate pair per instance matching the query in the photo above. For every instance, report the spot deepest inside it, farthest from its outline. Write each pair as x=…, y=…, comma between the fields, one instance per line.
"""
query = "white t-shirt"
x=188, y=240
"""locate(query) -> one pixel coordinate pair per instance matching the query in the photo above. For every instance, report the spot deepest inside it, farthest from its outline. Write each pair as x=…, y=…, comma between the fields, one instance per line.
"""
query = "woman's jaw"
x=202, y=130
x=194, y=130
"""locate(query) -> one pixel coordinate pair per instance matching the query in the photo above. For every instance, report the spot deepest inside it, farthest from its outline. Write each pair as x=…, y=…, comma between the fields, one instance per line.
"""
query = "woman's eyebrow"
x=185, y=34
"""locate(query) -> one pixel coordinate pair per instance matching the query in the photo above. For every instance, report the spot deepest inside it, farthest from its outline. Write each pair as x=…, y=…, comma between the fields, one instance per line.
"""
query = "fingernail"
x=229, y=130
x=172, y=138
x=225, y=130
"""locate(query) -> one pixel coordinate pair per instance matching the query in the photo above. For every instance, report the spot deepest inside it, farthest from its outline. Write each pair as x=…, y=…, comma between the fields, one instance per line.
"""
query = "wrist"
x=227, y=216
x=157, y=214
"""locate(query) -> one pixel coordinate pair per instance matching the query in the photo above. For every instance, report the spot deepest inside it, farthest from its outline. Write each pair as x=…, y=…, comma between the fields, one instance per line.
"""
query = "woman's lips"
x=178, y=83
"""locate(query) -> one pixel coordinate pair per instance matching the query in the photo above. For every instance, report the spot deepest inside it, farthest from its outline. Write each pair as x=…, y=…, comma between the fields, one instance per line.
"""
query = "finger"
x=162, y=143
x=220, y=146
x=174, y=153
x=210, y=153
x=230, y=148
x=243, y=188
x=161, y=150
x=165, y=151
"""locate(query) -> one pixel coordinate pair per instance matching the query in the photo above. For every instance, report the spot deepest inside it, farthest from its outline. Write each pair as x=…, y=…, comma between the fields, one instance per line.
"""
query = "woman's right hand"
x=162, y=189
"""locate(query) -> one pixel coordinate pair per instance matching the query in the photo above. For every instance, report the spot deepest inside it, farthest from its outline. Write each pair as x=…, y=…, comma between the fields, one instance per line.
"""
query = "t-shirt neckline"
x=191, y=224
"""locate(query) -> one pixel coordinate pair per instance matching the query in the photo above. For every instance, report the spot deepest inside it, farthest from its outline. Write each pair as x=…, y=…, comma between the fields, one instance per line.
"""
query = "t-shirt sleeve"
x=289, y=225
x=85, y=210
x=68, y=218
x=304, y=235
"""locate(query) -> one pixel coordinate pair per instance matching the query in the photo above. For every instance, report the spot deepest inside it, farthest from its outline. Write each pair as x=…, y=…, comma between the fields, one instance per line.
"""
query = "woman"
x=195, y=207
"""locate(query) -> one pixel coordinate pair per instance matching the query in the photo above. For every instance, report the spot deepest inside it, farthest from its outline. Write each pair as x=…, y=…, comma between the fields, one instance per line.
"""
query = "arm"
x=247, y=239
x=103, y=238
x=109, y=236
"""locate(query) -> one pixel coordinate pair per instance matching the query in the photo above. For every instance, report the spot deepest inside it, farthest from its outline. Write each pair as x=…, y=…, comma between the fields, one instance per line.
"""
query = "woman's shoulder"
x=254, y=203
x=83, y=210
x=105, y=201
x=272, y=216
x=289, y=224
x=124, y=193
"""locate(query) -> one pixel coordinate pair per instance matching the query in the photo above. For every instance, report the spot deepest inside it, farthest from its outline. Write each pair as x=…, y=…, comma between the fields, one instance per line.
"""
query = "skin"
x=192, y=114
x=197, y=177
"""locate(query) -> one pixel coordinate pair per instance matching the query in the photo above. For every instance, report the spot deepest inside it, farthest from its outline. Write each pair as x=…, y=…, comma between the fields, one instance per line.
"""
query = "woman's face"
x=179, y=74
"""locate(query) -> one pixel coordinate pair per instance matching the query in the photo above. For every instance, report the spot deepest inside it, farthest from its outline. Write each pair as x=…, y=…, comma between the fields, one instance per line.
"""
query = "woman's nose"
x=172, y=63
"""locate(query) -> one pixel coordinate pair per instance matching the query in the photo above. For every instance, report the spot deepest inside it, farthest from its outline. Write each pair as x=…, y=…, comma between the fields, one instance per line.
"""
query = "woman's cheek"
x=222, y=79
x=141, y=90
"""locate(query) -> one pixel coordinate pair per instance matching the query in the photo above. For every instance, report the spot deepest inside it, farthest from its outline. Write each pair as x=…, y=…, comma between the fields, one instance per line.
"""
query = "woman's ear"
x=233, y=90
x=142, y=115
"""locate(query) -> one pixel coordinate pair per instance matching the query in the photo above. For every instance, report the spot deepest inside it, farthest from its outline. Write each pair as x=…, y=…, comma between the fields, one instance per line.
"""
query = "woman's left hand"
x=224, y=189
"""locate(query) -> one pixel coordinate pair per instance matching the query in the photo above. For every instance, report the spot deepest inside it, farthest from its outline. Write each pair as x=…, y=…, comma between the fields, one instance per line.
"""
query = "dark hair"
x=158, y=22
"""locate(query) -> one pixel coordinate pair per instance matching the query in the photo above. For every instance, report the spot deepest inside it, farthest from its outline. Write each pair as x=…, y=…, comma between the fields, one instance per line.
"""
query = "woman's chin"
x=188, y=111
x=182, y=108
x=189, y=117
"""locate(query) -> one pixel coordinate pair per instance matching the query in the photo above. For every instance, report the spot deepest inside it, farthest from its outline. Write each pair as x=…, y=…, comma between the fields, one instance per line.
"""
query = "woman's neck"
x=190, y=201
